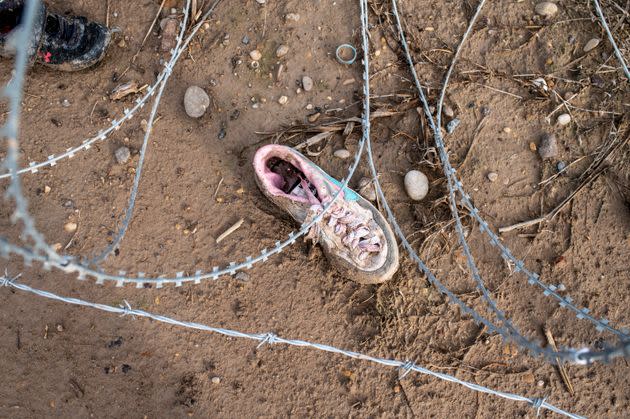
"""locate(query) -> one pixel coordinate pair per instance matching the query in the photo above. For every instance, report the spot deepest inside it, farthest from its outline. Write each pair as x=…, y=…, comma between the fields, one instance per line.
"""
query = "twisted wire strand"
x=618, y=53
x=272, y=338
x=533, y=279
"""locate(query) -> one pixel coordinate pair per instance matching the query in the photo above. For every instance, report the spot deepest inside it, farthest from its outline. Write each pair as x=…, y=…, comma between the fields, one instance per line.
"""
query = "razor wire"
x=533, y=278
x=116, y=124
x=69, y=266
x=145, y=142
x=271, y=338
x=580, y=356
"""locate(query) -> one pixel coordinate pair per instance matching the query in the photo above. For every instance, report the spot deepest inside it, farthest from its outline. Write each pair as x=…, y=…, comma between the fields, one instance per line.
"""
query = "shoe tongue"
x=64, y=31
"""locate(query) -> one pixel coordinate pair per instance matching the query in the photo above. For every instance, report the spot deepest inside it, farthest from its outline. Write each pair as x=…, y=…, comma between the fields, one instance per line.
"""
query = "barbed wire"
x=273, y=339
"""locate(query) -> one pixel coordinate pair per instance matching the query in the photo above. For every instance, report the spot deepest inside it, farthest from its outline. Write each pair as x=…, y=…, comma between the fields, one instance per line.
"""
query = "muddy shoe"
x=353, y=233
x=63, y=43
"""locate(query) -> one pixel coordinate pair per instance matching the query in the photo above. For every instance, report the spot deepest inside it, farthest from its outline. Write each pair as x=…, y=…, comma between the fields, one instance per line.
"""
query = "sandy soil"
x=63, y=361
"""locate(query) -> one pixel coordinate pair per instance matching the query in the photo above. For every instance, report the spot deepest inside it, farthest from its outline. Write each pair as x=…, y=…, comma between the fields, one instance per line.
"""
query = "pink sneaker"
x=353, y=233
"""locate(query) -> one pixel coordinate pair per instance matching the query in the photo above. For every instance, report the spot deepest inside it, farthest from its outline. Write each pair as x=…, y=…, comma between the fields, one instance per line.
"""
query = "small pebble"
x=416, y=185
x=292, y=17
x=309, y=106
x=283, y=100
x=196, y=101
x=546, y=8
x=451, y=126
x=65, y=103
x=564, y=119
x=561, y=166
x=261, y=1
x=122, y=155
x=448, y=111
x=245, y=40
x=493, y=176
x=282, y=51
x=255, y=55
x=507, y=130
x=592, y=44
x=540, y=383
x=366, y=189
x=70, y=227
x=314, y=117
x=597, y=81
x=216, y=380
x=548, y=147
x=307, y=83
x=59, y=328
x=342, y=153
x=242, y=276
x=47, y=189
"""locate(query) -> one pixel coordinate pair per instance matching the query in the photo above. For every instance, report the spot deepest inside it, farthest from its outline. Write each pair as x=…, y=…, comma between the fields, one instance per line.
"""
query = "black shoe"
x=63, y=43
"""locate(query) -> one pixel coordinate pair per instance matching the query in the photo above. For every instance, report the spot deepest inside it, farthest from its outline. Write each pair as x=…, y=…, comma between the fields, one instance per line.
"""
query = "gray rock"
x=366, y=189
x=196, y=101
x=546, y=8
x=564, y=119
x=307, y=83
x=282, y=51
x=255, y=55
x=342, y=153
x=292, y=17
x=242, y=276
x=416, y=185
x=591, y=44
x=448, y=111
x=451, y=126
x=122, y=155
x=548, y=147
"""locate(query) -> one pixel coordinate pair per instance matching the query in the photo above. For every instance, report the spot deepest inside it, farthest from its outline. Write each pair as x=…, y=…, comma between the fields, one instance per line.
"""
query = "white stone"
x=342, y=153
x=366, y=189
x=196, y=101
x=283, y=100
x=564, y=119
x=493, y=176
x=70, y=227
x=546, y=8
x=307, y=83
x=282, y=51
x=292, y=17
x=592, y=44
x=122, y=155
x=255, y=55
x=416, y=185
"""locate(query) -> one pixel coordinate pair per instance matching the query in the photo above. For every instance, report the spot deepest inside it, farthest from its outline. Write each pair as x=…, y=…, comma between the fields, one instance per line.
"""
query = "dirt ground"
x=63, y=361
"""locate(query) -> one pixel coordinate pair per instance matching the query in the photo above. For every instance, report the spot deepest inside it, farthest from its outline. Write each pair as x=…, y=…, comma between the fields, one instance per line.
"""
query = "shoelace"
x=354, y=234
